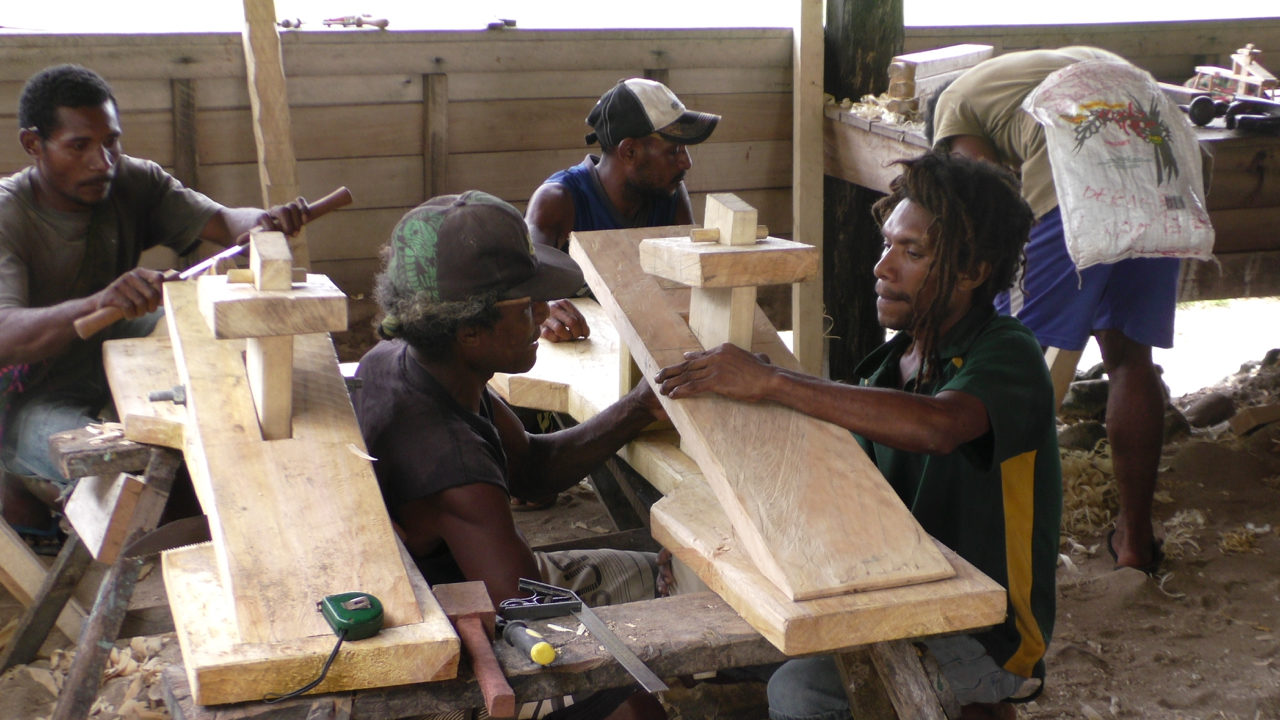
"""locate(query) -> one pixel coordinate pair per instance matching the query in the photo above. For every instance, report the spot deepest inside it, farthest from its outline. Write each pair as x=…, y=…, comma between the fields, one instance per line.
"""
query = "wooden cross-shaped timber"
x=723, y=264
x=268, y=313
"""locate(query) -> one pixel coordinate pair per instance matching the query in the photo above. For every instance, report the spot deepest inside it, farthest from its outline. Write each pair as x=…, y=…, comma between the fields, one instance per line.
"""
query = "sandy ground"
x=1199, y=641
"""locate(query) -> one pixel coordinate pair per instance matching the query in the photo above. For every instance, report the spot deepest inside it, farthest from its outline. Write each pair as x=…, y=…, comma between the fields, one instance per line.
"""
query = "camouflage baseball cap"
x=454, y=247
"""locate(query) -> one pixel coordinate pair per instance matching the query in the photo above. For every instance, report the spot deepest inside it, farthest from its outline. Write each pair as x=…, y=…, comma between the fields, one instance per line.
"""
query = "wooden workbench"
x=1243, y=199
x=658, y=631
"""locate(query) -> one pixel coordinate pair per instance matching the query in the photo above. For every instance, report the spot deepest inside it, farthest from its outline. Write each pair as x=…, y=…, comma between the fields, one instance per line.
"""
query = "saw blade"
x=627, y=659
x=185, y=531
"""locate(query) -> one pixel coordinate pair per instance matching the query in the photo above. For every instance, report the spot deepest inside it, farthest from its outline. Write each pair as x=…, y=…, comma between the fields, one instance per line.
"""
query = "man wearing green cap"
x=464, y=291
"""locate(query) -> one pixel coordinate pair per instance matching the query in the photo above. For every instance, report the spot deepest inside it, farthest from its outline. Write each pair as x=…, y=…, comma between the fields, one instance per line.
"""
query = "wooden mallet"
x=468, y=607
x=93, y=323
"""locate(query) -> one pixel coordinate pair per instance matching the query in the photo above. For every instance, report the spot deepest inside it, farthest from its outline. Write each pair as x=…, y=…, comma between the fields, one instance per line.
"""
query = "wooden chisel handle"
x=93, y=323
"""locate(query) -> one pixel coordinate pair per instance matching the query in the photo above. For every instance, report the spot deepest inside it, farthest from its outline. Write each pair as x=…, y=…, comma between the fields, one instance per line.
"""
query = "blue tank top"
x=592, y=209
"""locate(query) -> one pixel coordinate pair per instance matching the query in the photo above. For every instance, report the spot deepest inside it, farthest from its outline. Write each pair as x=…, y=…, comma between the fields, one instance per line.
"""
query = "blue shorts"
x=1064, y=306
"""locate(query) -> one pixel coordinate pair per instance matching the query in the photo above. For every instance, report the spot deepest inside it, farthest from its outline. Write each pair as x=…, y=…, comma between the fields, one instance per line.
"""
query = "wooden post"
x=861, y=37
x=269, y=101
x=806, y=181
x=435, y=133
x=184, y=131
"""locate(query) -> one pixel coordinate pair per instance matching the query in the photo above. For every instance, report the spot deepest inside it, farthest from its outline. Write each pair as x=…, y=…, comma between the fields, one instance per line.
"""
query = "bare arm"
x=551, y=462
x=230, y=223
x=934, y=425
x=550, y=219
x=30, y=335
x=475, y=520
x=550, y=215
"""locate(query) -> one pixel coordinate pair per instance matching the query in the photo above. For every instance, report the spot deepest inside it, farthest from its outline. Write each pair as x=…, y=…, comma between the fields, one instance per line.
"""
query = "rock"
x=1210, y=409
x=1176, y=426
x=1085, y=400
x=1094, y=373
x=1083, y=435
x=1272, y=358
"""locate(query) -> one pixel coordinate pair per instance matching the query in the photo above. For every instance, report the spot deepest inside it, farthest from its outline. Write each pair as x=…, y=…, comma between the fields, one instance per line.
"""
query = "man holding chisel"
x=72, y=228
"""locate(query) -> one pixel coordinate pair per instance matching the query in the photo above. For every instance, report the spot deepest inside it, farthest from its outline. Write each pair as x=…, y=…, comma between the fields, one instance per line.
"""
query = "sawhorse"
x=81, y=453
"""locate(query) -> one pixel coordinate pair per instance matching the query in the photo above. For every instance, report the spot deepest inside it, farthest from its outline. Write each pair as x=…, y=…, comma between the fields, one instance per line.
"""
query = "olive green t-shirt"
x=987, y=101
x=997, y=500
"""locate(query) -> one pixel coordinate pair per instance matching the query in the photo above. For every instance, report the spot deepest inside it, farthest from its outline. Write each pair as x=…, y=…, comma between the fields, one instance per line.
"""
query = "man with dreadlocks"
x=956, y=410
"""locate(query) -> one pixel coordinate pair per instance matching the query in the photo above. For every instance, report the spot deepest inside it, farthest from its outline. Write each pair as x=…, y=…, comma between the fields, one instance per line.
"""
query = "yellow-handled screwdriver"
x=530, y=642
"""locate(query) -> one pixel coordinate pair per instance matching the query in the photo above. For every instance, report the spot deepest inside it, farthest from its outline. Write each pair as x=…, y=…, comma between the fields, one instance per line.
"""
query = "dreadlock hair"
x=429, y=325
x=979, y=217
x=59, y=86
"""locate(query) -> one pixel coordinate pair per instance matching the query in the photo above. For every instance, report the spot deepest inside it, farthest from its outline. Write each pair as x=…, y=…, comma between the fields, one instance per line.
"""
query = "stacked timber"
x=915, y=77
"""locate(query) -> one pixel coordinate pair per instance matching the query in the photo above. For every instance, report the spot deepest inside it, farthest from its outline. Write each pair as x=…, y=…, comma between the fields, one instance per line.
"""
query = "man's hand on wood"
x=727, y=370
x=564, y=322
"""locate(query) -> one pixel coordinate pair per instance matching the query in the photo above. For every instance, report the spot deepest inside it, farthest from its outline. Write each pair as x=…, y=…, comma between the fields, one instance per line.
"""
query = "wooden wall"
x=401, y=116
x=508, y=108
x=1168, y=50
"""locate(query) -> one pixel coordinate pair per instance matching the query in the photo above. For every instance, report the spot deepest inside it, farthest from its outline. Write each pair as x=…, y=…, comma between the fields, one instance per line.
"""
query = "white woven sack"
x=1126, y=164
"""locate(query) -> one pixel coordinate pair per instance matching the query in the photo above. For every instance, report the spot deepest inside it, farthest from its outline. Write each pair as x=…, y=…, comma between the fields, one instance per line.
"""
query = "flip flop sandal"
x=1157, y=556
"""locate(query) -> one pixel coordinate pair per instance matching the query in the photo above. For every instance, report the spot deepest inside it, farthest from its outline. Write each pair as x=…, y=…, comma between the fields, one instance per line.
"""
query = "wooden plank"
x=1245, y=230
x=1253, y=274
x=806, y=179
x=271, y=505
x=317, y=90
x=238, y=310
x=222, y=669
x=102, y=508
x=588, y=83
x=910, y=67
x=146, y=135
x=380, y=182
x=770, y=261
x=555, y=123
x=348, y=130
x=663, y=637
x=859, y=157
x=47, y=603
x=691, y=524
x=435, y=133
x=137, y=367
x=269, y=101
x=1062, y=370
x=1244, y=168
x=185, y=154
x=22, y=573
x=1251, y=417
x=515, y=175
x=464, y=51
x=790, y=494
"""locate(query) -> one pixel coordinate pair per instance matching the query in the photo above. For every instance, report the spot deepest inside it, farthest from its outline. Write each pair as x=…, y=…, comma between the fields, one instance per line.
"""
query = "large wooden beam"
x=269, y=102
x=807, y=309
x=293, y=521
x=800, y=492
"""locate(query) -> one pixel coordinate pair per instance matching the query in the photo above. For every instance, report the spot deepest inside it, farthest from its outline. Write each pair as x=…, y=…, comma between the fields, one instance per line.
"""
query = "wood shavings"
x=1179, y=533
x=558, y=628
x=1240, y=540
x=360, y=453
x=876, y=108
x=1089, y=493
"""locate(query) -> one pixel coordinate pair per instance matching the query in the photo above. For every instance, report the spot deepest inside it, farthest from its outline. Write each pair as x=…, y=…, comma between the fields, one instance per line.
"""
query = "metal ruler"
x=567, y=600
